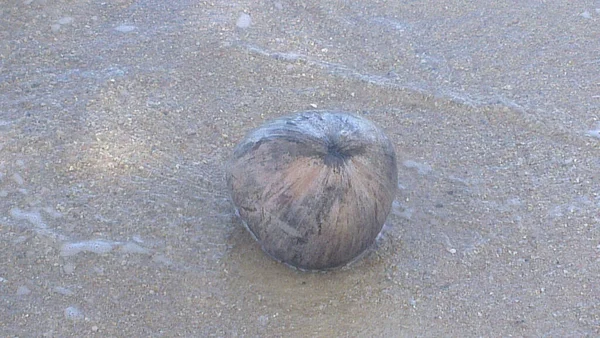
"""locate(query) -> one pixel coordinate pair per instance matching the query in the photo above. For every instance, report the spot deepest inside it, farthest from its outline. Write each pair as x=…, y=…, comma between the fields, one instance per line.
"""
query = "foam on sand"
x=594, y=132
x=93, y=246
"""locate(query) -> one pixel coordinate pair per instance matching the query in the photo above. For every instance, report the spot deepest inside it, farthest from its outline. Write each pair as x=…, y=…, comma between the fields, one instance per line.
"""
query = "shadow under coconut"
x=288, y=301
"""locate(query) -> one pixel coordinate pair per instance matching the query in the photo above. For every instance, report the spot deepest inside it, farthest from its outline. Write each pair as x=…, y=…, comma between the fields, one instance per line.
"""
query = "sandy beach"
x=117, y=119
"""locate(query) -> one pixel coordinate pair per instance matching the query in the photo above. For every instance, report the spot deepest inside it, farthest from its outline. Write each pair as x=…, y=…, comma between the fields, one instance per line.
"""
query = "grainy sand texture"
x=117, y=117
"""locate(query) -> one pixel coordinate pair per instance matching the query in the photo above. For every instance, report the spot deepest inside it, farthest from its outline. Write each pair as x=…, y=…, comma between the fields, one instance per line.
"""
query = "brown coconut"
x=314, y=188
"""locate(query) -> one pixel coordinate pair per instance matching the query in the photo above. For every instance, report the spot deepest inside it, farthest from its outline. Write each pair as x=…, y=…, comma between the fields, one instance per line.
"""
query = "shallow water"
x=116, y=119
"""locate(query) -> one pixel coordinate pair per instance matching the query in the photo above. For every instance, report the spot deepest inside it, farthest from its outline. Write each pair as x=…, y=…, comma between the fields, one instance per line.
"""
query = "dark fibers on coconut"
x=314, y=188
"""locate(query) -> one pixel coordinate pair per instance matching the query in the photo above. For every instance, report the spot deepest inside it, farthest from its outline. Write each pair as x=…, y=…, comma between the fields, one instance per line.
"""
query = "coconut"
x=314, y=188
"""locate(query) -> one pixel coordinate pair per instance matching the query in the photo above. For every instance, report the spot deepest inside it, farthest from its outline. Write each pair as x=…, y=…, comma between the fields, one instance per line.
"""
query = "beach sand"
x=117, y=118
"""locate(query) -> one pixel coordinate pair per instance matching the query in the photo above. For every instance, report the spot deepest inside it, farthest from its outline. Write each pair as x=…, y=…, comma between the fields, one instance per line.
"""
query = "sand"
x=117, y=117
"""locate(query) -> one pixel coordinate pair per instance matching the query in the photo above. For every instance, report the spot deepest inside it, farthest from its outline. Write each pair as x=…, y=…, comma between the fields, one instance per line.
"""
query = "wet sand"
x=116, y=119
